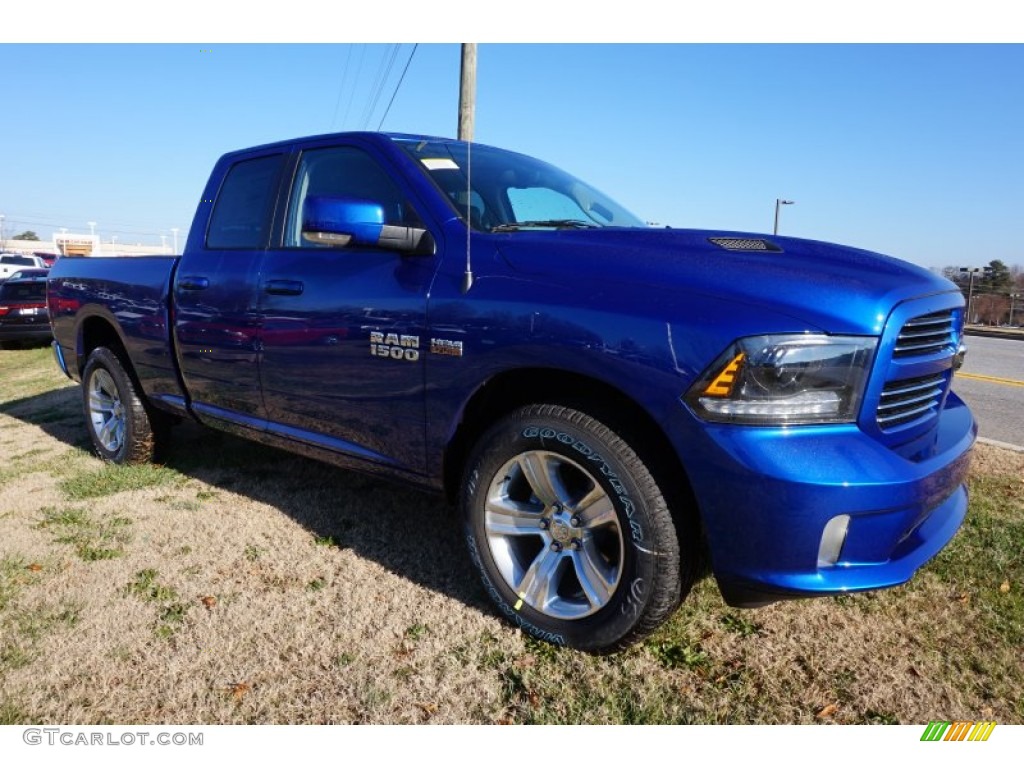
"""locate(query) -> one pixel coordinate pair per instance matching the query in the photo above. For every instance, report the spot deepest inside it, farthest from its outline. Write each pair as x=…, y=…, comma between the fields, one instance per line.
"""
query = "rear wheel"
x=122, y=429
x=570, y=532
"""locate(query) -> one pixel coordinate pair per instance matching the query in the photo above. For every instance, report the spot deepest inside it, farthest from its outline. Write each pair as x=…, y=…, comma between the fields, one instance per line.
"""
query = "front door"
x=343, y=329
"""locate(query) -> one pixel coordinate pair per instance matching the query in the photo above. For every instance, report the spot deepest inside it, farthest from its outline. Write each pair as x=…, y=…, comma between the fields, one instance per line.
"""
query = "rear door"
x=215, y=294
x=343, y=329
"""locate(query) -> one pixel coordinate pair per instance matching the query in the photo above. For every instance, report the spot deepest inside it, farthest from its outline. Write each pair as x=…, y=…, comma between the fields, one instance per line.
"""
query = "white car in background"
x=15, y=262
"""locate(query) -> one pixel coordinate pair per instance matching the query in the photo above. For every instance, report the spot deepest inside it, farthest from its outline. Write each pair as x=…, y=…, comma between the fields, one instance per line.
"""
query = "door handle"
x=283, y=287
x=193, y=283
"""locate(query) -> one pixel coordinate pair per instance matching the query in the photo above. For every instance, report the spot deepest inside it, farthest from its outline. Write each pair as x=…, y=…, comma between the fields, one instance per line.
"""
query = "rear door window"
x=241, y=215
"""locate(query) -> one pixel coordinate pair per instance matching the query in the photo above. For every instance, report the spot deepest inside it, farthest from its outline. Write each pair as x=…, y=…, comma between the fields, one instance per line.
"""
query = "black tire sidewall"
x=104, y=359
x=595, y=448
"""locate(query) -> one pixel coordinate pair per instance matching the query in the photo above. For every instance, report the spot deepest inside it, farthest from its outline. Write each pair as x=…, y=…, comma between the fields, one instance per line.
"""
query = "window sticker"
x=439, y=164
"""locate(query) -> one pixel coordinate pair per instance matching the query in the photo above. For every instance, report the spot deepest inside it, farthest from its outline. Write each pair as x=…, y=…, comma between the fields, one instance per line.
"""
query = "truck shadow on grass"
x=408, y=532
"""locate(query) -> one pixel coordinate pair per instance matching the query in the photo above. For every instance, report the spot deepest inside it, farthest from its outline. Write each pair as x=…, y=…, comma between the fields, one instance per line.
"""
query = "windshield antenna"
x=467, y=278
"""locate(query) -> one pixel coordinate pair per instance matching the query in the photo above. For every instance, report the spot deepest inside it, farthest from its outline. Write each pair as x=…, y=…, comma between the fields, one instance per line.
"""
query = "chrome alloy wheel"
x=554, y=535
x=106, y=412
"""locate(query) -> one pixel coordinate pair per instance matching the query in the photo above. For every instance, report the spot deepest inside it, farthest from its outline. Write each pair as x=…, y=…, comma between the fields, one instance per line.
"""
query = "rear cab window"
x=21, y=261
x=242, y=213
x=34, y=291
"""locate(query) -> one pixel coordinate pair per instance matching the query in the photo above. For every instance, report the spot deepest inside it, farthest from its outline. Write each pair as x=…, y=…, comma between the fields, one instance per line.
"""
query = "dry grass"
x=237, y=584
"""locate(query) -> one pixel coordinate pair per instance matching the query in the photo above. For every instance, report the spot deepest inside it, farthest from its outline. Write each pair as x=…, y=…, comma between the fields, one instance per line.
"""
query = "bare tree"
x=991, y=308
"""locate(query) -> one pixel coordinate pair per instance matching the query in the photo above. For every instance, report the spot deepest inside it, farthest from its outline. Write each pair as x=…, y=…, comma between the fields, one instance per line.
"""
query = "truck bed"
x=133, y=293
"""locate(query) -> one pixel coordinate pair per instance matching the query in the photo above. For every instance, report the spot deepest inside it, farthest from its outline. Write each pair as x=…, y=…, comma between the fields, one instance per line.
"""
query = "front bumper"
x=767, y=496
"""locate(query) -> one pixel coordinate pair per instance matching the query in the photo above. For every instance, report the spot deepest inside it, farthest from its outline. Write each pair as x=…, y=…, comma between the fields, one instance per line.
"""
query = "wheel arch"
x=510, y=390
x=97, y=330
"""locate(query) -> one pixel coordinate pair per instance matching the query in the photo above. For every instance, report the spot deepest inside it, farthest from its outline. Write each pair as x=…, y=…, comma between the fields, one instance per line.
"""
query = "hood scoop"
x=744, y=244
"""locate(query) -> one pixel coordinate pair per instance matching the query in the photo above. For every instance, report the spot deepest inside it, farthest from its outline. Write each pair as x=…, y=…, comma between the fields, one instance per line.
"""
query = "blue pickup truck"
x=615, y=408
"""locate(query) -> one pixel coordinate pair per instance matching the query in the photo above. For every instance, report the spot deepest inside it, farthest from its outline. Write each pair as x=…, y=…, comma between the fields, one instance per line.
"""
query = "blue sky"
x=913, y=150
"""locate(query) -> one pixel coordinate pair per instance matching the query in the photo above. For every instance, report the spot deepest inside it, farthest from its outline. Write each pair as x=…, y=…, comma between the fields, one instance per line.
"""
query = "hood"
x=834, y=288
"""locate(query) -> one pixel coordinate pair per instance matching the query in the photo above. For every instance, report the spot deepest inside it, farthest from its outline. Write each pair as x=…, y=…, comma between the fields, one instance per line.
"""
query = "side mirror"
x=342, y=221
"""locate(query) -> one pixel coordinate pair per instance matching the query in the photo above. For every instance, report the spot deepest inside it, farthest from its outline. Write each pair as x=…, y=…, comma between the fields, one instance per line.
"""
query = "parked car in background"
x=23, y=313
x=21, y=274
x=13, y=262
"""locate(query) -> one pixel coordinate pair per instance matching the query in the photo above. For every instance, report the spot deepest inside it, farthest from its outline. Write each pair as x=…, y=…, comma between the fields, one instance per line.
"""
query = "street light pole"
x=972, y=271
x=1013, y=299
x=779, y=202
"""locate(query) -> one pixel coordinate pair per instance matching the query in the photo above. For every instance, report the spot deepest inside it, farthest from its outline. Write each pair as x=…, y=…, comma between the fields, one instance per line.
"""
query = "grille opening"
x=909, y=399
x=926, y=335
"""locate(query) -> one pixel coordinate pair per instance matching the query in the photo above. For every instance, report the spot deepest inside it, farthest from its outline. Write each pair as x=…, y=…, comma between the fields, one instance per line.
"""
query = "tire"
x=572, y=537
x=122, y=429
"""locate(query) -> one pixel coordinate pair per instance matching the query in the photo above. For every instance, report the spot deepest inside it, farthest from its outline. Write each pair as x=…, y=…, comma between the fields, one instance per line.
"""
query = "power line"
x=341, y=89
x=407, y=63
x=117, y=229
x=365, y=115
x=352, y=93
x=60, y=219
x=380, y=83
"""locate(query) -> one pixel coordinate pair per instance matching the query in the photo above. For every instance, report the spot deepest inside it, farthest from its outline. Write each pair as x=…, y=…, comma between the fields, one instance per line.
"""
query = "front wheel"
x=121, y=428
x=570, y=532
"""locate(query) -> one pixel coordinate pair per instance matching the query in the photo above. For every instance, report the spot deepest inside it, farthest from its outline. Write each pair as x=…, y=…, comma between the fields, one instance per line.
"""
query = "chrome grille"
x=909, y=399
x=926, y=335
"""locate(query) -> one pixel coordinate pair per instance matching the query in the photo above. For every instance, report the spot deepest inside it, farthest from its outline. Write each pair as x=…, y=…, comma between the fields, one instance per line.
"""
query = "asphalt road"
x=992, y=384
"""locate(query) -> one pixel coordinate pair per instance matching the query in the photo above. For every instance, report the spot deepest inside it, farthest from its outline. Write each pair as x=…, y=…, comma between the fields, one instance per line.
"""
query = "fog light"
x=832, y=540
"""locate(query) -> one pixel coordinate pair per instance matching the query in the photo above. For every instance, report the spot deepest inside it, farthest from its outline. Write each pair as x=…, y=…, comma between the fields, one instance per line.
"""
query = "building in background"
x=68, y=244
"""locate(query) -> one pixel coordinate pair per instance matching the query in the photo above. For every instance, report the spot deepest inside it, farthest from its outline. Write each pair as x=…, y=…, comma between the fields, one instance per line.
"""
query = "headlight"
x=785, y=379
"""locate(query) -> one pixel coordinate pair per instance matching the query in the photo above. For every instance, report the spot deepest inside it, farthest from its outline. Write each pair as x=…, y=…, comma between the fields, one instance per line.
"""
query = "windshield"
x=510, y=191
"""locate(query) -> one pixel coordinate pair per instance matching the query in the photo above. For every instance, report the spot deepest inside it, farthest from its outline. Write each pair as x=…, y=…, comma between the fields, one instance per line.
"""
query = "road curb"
x=1001, y=444
x=994, y=334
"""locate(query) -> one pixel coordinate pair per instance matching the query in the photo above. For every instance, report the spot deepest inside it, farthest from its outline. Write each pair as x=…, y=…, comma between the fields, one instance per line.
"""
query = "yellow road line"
x=993, y=379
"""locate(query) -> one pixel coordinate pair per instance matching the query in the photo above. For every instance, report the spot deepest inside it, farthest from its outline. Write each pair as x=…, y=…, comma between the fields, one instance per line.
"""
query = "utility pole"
x=467, y=92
